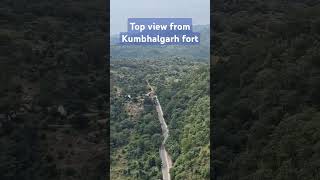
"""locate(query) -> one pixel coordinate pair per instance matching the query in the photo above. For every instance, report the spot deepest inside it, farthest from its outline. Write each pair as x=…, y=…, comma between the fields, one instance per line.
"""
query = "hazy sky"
x=121, y=10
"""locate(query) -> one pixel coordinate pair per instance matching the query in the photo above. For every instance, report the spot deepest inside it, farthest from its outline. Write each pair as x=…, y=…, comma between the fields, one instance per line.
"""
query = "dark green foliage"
x=186, y=106
x=265, y=79
x=182, y=88
x=135, y=139
x=52, y=54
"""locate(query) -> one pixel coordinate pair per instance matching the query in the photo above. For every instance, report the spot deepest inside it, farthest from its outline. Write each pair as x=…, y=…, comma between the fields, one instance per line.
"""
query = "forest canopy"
x=266, y=78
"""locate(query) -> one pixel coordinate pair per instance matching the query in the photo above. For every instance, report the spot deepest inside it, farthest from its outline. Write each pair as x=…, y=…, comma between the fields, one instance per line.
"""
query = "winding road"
x=165, y=158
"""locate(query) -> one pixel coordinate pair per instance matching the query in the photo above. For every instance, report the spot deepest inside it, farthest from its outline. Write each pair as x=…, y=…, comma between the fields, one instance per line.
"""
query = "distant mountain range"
x=200, y=52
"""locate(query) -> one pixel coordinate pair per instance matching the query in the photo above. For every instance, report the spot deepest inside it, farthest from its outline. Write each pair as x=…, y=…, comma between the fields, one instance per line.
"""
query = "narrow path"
x=165, y=157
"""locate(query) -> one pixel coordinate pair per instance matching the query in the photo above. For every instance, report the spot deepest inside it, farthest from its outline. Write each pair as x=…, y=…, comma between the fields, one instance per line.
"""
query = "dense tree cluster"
x=135, y=139
x=266, y=77
x=182, y=87
x=53, y=89
x=186, y=106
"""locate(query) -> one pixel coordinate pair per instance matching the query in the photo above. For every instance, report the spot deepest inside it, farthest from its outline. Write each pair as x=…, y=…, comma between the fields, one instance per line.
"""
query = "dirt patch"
x=134, y=109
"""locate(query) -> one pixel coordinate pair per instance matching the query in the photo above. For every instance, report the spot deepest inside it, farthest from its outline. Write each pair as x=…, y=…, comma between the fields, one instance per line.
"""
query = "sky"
x=121, y=10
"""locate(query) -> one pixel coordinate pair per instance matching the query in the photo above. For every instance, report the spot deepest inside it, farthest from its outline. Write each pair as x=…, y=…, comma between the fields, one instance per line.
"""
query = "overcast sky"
x=121, y=10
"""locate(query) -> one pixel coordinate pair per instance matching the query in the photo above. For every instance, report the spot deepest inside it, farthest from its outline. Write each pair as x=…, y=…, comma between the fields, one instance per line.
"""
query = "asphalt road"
x=165, y=157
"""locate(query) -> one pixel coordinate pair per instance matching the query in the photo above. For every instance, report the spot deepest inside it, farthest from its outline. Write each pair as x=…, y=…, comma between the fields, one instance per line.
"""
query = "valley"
x=147, y=144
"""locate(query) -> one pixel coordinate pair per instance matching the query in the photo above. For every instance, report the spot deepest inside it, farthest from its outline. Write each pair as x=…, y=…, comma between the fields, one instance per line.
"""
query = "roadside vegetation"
x=182, y=88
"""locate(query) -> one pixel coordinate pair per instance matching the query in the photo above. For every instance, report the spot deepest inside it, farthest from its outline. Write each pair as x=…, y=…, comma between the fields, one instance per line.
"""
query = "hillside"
x=53, y=90
x=142, y=52
x=266, y=79
x=186, y=104
x=182, y=88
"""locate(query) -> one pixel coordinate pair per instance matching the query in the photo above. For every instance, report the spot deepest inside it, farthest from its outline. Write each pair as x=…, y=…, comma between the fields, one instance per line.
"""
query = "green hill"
x=266, y=77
